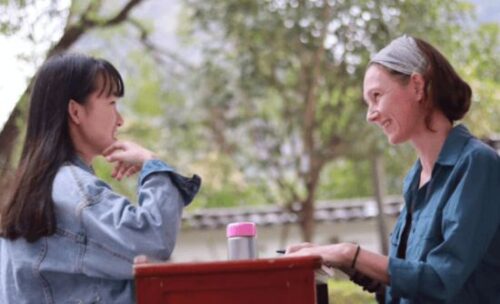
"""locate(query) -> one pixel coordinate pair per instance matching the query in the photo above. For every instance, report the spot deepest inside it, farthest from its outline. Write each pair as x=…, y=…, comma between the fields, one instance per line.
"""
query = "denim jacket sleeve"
x=116, y=230
x=470, y=219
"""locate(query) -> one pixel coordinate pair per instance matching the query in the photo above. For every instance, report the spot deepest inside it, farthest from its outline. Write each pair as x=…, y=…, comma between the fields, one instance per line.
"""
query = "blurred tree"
x=157, y=108
x=271, y=109
x=282, y=80
x=481, y=67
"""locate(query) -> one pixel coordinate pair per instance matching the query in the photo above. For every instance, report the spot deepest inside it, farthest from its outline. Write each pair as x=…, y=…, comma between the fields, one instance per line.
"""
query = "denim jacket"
x=99, y=232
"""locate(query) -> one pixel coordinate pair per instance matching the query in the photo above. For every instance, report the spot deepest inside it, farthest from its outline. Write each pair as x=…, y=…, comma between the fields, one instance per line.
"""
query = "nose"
x=372, y=115
x=119, y=122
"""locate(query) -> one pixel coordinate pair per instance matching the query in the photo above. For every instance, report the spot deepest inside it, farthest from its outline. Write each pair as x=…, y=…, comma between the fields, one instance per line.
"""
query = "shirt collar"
x=76, y=160
x=452, y=148
x=450, y=152
x=410, y=177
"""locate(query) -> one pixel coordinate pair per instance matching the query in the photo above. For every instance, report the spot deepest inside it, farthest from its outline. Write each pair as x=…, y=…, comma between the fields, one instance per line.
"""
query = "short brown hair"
x=444, y=88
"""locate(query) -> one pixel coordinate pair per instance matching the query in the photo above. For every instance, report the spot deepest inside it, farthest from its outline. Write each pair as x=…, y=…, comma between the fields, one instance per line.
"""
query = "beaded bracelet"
x=358, y=249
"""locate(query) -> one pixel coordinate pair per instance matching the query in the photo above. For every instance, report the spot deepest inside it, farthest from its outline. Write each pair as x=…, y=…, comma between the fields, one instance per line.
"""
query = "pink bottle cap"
x=241, y=229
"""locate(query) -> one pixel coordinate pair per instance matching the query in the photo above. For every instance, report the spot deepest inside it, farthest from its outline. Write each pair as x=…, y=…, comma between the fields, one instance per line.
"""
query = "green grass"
x=346, y=292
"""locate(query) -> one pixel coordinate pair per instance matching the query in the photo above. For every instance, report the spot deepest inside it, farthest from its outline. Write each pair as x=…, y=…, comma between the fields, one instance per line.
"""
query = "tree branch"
x=86, y=23
x=155, y=49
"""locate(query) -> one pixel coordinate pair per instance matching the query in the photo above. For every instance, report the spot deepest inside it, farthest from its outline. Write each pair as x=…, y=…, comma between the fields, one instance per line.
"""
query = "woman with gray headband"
x=445, y=246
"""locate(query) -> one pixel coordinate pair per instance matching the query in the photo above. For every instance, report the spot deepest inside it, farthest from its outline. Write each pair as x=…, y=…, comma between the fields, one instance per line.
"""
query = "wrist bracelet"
x=358, y=249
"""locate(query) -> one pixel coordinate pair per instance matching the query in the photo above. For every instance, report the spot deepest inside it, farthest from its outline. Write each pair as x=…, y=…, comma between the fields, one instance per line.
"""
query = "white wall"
x=210, y=244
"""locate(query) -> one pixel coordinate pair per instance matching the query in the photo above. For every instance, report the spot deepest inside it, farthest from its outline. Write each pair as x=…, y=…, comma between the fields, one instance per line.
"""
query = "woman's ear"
x=74, y=112
x=418, y=85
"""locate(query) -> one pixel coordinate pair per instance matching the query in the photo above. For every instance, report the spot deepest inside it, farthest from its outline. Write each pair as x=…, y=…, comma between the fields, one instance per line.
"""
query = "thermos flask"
x=241, y=243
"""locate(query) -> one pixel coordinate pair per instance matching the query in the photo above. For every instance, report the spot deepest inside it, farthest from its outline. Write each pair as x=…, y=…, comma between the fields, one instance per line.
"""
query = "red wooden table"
x=284, y=280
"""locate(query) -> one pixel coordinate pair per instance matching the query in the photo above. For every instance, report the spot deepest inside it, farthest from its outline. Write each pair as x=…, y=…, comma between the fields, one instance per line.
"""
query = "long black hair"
x=29, y=209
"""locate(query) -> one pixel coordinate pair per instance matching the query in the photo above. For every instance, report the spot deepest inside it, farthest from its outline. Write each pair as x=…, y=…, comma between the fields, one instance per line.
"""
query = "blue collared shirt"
x=453, y=248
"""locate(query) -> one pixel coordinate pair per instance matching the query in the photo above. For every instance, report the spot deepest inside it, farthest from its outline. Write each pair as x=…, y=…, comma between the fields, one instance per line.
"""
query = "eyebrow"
x=370, y=92
x=367, y=95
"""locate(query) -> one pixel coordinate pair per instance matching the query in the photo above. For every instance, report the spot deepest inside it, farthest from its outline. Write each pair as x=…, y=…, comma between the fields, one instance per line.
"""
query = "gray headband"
x=402, y=55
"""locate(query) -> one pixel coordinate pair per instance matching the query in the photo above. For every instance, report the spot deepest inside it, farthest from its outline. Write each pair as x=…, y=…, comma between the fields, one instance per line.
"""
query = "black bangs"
x=108, y=80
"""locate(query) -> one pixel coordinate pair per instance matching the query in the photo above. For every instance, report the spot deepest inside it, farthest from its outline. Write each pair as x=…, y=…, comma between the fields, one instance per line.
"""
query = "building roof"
x=325, y=211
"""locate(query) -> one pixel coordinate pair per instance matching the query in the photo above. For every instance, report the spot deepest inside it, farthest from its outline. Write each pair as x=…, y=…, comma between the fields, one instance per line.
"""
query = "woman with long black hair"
x=65, y=235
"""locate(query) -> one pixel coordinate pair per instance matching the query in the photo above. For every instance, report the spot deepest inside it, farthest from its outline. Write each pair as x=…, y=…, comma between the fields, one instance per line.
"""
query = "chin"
x=106, y=145
x=394, y=140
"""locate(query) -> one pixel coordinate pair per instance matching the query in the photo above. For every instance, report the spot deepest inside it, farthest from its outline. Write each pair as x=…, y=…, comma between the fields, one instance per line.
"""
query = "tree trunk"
x=379, y=187
x=307, y=213
x=307, y=220
x=312, y=71
x=8, y=139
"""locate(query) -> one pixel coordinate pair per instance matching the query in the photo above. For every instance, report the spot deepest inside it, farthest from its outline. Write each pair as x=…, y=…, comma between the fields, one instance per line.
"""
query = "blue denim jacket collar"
x=78, y=161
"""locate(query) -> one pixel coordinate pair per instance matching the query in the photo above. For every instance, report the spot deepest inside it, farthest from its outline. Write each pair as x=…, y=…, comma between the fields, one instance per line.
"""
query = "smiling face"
x=94, y=123
x=394, y=106
x=100, y=120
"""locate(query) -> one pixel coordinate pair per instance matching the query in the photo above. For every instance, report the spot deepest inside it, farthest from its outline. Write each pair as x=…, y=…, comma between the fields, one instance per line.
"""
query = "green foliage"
x=224, y=185
x=278, y=68
x=350, y=177
x=279, y=71
x=482, y=71
x=238, y=118
x=126, y=187
x=346, y=178
x=346, y=292
x=398, y=162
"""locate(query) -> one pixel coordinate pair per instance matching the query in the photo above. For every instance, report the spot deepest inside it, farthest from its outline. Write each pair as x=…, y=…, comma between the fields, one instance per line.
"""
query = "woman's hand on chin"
x=128, y=158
